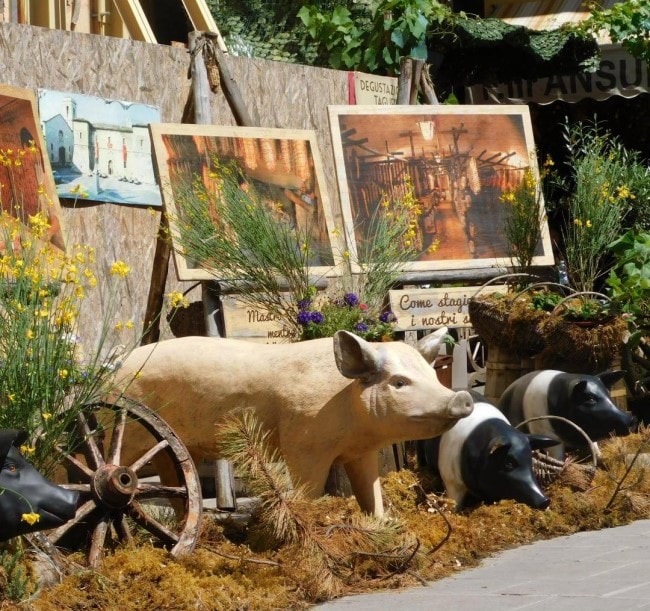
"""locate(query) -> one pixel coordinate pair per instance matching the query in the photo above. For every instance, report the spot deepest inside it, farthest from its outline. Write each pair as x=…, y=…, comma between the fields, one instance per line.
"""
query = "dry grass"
x=223, y=574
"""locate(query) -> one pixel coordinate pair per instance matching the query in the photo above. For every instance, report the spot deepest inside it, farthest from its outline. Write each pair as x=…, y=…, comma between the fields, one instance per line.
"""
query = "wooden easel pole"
x=197, y=110
x=161, y=261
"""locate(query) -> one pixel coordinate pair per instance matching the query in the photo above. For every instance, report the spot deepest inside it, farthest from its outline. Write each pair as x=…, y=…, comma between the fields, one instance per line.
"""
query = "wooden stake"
x=404, y=81
x=426, y=85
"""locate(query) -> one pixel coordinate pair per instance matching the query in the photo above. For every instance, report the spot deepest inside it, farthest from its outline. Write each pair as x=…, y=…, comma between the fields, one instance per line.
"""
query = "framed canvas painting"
x=283, y=166
x=26, y=182
x=457, y=159
x=100, y=147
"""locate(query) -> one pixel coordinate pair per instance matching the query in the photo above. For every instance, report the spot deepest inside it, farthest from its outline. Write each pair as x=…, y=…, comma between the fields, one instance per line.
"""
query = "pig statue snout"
x=461, y=404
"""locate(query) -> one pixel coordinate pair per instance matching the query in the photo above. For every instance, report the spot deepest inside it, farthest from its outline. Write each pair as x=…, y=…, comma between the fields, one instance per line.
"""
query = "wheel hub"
x=114, y=486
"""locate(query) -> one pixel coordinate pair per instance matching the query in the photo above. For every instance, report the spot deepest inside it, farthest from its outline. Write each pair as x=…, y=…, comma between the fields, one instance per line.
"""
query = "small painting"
x=100, y=148
x=26, y=181
x=283, y=166
x=458, y=160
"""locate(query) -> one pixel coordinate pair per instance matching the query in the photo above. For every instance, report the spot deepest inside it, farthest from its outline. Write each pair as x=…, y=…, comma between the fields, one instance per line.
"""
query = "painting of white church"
x=98, y=148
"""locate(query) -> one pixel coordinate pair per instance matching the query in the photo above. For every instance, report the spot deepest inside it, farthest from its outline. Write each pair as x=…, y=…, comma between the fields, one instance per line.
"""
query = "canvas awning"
x=618, y=73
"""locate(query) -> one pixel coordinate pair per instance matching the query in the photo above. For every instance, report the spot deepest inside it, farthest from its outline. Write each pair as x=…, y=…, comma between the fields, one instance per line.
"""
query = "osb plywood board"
x=277, y=95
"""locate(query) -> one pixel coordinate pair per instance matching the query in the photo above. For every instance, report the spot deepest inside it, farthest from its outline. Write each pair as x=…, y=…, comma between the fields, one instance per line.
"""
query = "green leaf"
x=398, y=38
x=420, y=52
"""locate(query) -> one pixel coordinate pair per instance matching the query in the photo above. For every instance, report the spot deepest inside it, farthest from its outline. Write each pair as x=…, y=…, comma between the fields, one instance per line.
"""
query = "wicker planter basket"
x=524, y=331
x=548, y=469
x=489, y=315
x=581, y=346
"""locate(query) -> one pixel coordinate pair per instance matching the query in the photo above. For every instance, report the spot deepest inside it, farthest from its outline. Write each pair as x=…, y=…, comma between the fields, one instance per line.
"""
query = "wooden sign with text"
x=372, y=89
x=433, y=308
x=242, y=321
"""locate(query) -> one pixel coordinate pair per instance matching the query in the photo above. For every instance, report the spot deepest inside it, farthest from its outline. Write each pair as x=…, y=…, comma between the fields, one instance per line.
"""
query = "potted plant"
x=584, y=333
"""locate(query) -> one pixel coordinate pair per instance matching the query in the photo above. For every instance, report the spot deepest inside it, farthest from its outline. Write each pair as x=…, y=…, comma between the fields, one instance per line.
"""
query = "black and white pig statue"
x=483, y=458
x=25, y=493
x=581, y=398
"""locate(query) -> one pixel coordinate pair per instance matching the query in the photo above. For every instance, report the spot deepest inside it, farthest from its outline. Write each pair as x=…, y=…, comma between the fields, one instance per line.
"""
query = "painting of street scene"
x=99, y=149
x=457, y=160
x=26, y=181
x=282, y=166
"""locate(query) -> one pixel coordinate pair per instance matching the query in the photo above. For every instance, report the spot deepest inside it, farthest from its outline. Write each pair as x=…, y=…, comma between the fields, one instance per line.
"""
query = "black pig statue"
x=482, y=458
x=28, y=501
x=581, y=398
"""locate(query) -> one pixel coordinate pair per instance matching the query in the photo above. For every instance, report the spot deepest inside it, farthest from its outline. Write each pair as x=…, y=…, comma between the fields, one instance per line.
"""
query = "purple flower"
x=387, y=316
x=304, y=317
x=351, y=299
x=317, y=317
x=303, y=304
x=362, y=327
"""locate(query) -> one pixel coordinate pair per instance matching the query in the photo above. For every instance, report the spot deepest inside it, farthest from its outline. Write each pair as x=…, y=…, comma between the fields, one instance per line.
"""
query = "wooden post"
x=414, y=74
x=426, y=85
x=404, y=81
x=223, y=475
x=415, y=80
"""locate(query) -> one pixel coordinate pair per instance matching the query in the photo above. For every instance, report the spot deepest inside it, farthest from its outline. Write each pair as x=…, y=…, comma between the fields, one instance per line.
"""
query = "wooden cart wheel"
x=128, y=502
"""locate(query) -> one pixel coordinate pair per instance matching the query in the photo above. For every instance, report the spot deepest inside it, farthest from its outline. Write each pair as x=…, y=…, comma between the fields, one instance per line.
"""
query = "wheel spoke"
x=115, y=449
x=123, y=529
x=145, y=458
x=97, y=541
x=156, y=491
x=81, y=488
x=95, y=455
x=77, y=463
x=82, y=512
x=137, y=513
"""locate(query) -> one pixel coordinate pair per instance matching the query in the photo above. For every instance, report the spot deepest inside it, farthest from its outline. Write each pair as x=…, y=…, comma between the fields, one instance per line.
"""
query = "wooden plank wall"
x=277, y=95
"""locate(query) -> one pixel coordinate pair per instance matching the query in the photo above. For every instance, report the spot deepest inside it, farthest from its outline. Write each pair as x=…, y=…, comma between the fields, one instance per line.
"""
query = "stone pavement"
x=605, y=570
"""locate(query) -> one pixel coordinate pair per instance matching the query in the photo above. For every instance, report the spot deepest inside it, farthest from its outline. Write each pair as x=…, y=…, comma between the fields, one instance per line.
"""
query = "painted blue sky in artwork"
x=97, y=110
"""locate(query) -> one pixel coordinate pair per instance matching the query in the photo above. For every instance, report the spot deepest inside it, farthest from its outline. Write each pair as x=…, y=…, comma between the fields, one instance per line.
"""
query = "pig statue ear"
x=8, y=438
x=539, y=442
x=609, y=378
x=498, y=446
x=354, y=356
x=430, y=345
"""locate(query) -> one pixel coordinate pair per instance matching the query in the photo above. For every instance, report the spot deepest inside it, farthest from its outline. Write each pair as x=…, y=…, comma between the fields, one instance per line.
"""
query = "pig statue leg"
x=309, y=473
x=363, y=473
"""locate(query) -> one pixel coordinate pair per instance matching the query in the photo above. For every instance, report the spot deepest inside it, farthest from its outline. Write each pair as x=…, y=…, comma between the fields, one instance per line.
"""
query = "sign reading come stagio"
x=437, y=307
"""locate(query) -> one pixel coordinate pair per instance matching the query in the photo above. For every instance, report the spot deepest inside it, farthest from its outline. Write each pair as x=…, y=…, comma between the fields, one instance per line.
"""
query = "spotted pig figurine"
x=332, y=400
x=580, y=398
x=483, y=458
